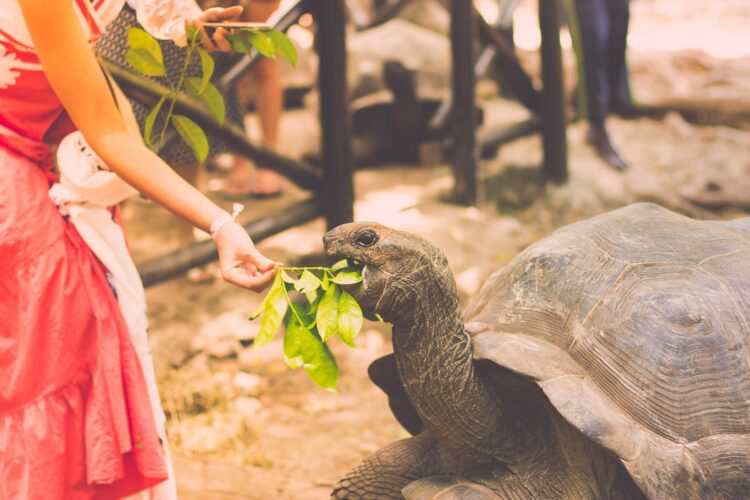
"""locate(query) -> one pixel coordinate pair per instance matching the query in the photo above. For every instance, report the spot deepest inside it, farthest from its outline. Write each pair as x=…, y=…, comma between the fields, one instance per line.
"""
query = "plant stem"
x=176, y=90
x=291, y=304
x=326, y=269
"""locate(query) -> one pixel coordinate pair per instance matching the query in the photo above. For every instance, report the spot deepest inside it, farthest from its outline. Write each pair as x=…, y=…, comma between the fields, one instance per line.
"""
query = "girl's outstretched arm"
x=74, y=74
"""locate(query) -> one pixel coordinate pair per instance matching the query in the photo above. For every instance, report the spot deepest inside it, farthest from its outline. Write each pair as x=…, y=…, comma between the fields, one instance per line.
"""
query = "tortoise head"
x=398, y=268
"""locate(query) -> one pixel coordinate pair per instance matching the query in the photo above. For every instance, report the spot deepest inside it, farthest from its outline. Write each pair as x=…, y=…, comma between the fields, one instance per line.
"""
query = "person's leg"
x=589, y=28
x=589, y=24
x=269, y=100
x=621, y=101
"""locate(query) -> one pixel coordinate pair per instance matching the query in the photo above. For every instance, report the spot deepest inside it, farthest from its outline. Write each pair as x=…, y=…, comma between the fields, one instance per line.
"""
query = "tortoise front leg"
x=385, y=473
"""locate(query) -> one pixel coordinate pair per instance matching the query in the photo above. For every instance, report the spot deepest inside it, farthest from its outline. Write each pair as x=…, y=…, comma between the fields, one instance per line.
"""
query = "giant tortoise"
x=609, y=360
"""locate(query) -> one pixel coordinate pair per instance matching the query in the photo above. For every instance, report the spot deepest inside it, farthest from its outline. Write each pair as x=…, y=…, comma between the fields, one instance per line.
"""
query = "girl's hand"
x=218, y=41
x=241, y=263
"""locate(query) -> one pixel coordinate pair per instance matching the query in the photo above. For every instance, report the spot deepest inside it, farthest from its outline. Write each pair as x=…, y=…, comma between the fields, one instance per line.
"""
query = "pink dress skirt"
x=75, y=415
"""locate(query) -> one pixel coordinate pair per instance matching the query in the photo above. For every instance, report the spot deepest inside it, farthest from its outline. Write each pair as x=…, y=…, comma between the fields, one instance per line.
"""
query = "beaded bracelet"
x=219, y=222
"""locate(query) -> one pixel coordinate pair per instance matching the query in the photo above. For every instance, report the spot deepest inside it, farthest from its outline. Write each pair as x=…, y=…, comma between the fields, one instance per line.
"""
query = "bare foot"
x=599, y=138
x=267, y=183
x=242, y=183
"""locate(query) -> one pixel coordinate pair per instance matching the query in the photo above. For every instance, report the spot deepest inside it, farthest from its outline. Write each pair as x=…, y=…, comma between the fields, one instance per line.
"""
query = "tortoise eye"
x=366, y=238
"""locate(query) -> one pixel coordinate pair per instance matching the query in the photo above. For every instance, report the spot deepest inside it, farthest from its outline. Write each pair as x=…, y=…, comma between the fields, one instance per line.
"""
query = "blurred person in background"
x=599, y=29
x=263, y=88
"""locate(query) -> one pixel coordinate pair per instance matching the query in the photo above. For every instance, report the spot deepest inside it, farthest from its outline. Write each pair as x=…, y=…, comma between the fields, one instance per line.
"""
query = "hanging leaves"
x=268, y=43
x=284, y=46
x=207, y=68
x=329, y=311
x=209, y=95
x=145, y=56
x=144, y=53
x=274, y=308
x=349, y=320
x=193, y=135
x=150, y=120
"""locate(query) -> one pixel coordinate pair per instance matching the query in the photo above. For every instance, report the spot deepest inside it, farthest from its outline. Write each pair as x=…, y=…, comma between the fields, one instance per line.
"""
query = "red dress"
x=75, y=417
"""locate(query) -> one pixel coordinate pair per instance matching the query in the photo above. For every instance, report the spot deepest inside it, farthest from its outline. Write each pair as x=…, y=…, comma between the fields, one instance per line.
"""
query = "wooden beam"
x=168, y=266
x=148, y=92
x=700, y=110
x=554, y=134
x=491, y=138
x=511, y=73
x=338, y=185
x=464, y=119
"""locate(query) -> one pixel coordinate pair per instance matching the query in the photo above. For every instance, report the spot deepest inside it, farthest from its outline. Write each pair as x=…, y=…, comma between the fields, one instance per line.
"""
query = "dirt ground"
x=243, y=425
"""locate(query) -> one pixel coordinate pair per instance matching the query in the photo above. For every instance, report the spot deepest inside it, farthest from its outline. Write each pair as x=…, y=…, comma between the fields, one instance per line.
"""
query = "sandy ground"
x=242, y=425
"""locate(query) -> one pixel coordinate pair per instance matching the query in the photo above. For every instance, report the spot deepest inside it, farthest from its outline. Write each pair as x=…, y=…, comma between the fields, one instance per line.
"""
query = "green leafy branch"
x=327, y=311
x=144, y=54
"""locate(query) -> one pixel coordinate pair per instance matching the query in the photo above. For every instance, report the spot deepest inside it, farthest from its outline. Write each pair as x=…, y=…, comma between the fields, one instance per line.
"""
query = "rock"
x=676, y=122
x=469, y=281
x=429, y=14
x=247, y=384
x=248, y=407
x=254, y=358
x=171, y=347
x=220, y=337
x=415, y=47
x=223, y=349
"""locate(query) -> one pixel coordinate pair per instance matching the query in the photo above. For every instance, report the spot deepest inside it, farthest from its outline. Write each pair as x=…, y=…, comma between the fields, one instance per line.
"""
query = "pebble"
x=220, y=337
x=247, y=384
x=248, y=407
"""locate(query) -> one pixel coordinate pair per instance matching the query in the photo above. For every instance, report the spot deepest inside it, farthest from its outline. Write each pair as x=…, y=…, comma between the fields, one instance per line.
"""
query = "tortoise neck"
x=436, y=367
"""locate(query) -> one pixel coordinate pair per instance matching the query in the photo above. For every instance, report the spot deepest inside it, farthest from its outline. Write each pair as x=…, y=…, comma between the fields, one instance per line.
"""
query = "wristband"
x=219, y=222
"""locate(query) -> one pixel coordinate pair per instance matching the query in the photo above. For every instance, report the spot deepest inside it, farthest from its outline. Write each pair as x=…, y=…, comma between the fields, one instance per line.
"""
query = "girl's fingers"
x=221, y=41
x=228, y=14
x=208, y=44
x=244, y=279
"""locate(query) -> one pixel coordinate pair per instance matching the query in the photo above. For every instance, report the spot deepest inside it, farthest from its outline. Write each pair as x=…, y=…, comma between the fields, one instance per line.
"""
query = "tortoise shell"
x=636, y=324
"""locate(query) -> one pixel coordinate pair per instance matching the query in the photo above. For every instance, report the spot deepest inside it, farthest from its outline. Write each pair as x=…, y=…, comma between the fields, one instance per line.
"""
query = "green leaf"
x=327, y=314
x=284, y=46
x=373, y=317
x=262, y=305
x=285, y=276
x=273, y=312
x=308, y=315
x=302, y=347
x=144, y=53
x=307, y=282
x=240, y=44
x=263, y=44
x=319, y=363
x=293, y=339
x=348, y=277
x=215, y=102
x=191, y=31
x=207, y=68
x=193, y=135
x=148, y=126
x=350, y=318
x=193, y=86
x=311, y=296
x=340, y=265
x=210, y=96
